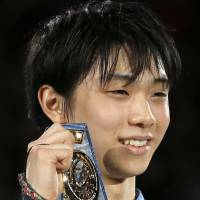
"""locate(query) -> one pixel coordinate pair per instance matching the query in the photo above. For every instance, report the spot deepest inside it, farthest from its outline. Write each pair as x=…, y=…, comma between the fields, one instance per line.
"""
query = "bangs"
x=139, y=34
x=136, y=59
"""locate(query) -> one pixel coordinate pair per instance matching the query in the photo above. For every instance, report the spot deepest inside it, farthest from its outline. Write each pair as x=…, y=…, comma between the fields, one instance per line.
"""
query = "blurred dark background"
x=174, y=171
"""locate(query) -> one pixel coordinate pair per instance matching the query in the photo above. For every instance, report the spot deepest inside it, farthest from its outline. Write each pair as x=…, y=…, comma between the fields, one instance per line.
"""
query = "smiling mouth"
x=136, y=141
x=137, y=146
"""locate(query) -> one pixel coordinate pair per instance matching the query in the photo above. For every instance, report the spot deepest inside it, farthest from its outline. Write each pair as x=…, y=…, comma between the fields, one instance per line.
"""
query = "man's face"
x=127, y=123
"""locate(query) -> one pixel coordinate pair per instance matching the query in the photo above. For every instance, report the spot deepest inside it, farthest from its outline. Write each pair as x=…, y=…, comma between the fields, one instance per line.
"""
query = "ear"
x=51, y=103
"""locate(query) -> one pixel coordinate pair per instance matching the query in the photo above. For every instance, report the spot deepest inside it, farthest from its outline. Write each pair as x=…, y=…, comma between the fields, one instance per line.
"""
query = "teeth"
x=137, y=143
x=132, y=142
x=126, y=142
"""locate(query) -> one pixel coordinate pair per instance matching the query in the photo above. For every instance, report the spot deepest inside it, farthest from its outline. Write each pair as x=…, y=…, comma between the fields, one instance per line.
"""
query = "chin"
x=122, y=167
x=124, y=172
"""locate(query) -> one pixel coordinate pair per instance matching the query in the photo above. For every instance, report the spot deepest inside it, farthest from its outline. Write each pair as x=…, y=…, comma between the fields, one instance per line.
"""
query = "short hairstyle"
x=65, y=49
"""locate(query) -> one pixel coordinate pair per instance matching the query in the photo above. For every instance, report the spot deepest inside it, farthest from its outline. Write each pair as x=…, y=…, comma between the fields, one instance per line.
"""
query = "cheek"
x=104, y=114
x=162, y=116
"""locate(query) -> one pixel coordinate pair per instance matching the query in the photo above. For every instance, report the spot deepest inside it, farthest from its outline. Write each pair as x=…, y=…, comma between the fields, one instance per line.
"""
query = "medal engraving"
x=82, y=180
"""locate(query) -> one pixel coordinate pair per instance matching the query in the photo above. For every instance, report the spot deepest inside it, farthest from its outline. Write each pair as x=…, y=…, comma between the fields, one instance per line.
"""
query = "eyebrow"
x=163, y=80
x=122, y=76
x=125, y=77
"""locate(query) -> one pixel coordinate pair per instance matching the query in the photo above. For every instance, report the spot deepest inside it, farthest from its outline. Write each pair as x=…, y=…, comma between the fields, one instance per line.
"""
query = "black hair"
x=65, y=48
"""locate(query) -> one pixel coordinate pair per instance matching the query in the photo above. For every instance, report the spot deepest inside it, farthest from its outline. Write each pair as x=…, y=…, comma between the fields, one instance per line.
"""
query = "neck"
x=120, y=189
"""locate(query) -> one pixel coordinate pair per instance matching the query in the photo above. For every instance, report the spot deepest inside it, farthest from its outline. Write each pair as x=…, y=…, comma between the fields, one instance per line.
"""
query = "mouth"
x=137, y=145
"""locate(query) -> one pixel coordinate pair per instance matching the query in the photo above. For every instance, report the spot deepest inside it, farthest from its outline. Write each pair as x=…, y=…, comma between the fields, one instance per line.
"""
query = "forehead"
x=123, y=64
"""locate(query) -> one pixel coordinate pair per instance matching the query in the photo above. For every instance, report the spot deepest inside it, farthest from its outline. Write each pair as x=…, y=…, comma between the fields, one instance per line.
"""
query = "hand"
x=46, y=163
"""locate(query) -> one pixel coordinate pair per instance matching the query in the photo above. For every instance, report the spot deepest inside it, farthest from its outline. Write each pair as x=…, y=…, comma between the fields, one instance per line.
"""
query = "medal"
x=81, y=180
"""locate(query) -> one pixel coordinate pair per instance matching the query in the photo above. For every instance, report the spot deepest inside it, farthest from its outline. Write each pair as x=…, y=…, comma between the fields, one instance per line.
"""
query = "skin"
x=112, y=113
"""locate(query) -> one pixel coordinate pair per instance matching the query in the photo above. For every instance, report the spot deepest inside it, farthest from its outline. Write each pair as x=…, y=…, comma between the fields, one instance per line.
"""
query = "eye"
x=160, y=94
x=119, y=92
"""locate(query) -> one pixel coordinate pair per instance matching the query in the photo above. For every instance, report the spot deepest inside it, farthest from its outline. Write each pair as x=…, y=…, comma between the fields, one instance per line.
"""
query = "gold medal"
x=81, y=180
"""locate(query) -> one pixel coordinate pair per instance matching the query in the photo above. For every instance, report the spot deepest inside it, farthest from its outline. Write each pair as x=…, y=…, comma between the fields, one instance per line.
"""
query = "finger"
x=59, y=156
x=55, y=146
x=51, y=146
x=49, y=131
x=52, y=129
x=62, y=137
x=29, y=148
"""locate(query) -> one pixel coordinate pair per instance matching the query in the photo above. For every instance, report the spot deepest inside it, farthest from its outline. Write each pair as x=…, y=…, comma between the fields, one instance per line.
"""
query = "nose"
x=140, y=113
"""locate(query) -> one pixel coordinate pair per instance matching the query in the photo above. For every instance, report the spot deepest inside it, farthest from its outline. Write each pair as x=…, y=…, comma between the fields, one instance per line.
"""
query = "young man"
x=109, y=65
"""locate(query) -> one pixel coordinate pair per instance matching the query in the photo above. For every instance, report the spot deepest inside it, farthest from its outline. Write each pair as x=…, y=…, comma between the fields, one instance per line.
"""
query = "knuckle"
x=66, y=137
x=30, y=145
x=69, y=135
x=69, y=149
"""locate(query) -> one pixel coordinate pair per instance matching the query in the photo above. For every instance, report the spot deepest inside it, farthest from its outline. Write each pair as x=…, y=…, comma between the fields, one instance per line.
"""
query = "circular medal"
x=81, y=181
